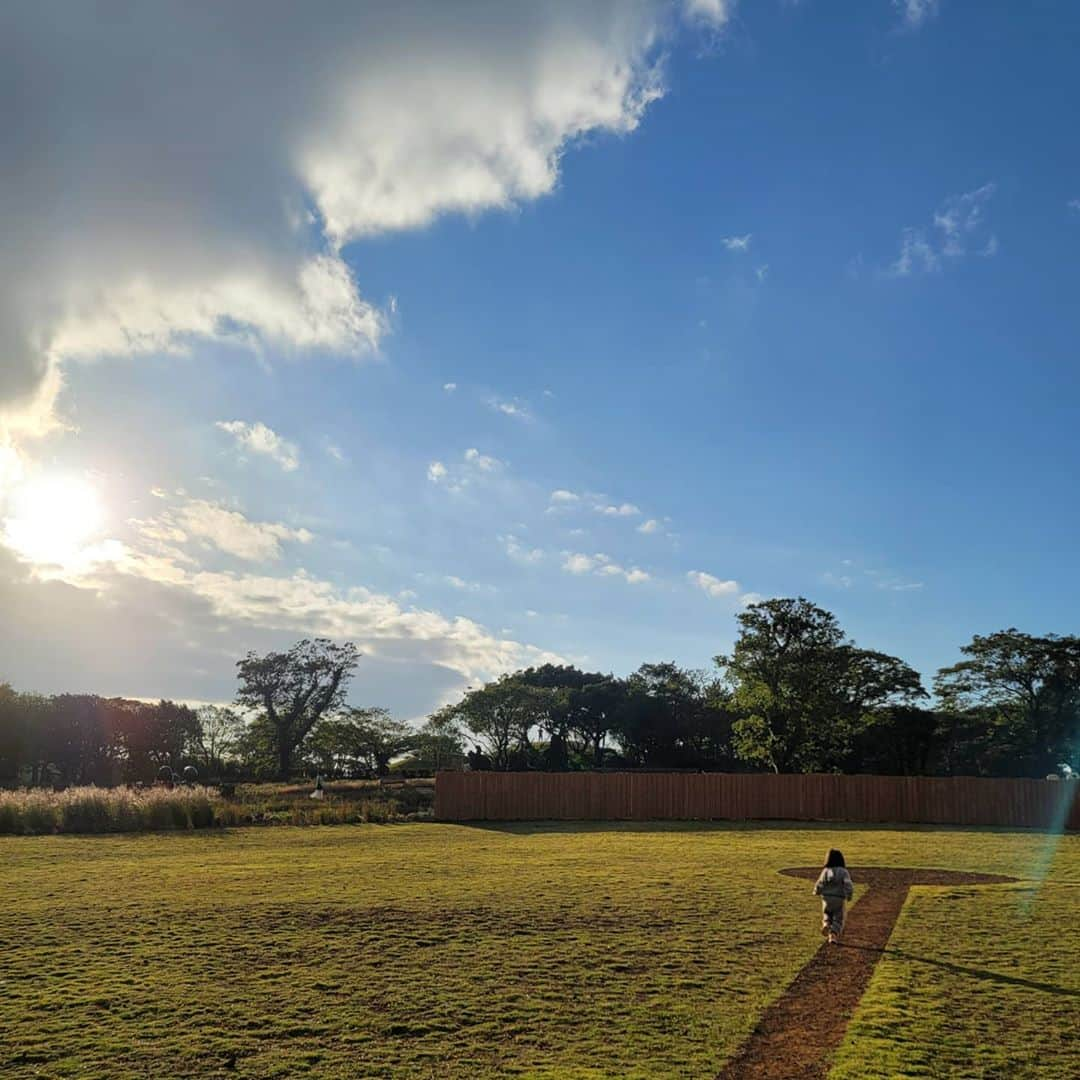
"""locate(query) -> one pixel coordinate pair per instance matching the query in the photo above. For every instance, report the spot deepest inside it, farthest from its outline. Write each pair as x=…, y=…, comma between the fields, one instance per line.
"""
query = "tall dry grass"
x=103, y=810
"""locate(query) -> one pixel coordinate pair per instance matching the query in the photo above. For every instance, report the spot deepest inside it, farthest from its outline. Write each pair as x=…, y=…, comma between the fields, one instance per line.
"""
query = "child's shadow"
x=975, y=973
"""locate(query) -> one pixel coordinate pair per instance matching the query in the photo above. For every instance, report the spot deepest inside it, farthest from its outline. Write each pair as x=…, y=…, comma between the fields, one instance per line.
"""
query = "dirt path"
x=798, y=1034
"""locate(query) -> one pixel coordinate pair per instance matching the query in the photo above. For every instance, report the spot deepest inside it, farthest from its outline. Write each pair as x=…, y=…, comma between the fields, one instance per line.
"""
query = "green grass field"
x=550, y=951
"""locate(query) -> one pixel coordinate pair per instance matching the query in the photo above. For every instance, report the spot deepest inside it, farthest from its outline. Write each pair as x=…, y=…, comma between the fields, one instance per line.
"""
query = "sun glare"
x=51, y=520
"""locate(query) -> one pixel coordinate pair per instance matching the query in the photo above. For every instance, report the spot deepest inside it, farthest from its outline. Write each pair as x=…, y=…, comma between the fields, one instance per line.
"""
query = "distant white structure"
x=1068, y=772
x=318, y=793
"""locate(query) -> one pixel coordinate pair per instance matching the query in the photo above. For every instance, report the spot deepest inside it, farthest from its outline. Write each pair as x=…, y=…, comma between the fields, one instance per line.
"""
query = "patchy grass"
x=542, y=951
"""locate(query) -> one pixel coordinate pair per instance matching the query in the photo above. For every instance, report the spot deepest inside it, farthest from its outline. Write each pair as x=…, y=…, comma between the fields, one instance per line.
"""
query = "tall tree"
x=669, y=718
x=293, y=690
x=1027, y=688
x=218, y=736
x=581, y=709
x=438, y=744
x=361, y=740
x=801, y=690
x=502, y=716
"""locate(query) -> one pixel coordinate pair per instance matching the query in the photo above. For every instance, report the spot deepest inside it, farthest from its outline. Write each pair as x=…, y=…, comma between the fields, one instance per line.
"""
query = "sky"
x=487, y=335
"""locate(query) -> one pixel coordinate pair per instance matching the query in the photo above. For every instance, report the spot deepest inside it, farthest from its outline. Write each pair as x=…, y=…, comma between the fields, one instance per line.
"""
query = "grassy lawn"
x=552, y=951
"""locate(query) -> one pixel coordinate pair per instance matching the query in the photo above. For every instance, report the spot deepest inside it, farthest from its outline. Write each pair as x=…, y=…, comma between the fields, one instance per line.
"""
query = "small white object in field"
x=318, y=793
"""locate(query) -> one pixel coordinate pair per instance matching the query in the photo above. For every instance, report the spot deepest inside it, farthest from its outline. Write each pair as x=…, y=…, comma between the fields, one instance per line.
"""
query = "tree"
x=292, y=691
x=900, y=740
x=361, y=741
x=1026, y=689
x=802, y=692
x=151, y=735
x=218, y=736
x=581, y=708
x=438, y=744
x=669, y=717
x=502, y=715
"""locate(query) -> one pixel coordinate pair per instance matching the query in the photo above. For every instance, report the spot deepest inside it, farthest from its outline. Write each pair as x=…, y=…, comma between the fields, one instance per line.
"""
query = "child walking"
x=834, y=886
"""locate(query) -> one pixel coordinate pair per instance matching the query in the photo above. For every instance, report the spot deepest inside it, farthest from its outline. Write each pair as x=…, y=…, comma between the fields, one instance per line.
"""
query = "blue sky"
x=779, y=300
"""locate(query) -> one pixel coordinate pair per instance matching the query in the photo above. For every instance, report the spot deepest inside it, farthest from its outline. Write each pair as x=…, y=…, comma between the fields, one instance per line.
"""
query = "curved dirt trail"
x=797, y=1035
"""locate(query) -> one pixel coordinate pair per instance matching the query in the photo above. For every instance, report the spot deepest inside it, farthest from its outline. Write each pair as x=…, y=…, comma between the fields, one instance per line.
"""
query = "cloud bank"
x=263, y=141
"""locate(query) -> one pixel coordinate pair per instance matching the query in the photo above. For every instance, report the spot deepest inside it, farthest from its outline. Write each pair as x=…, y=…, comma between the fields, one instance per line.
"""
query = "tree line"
x=795, y=694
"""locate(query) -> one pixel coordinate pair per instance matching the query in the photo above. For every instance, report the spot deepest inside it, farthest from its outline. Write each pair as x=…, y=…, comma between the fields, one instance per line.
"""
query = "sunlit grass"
x=447, y=951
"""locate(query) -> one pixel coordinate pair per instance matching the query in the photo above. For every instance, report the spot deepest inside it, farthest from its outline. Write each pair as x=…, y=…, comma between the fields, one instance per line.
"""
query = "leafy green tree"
x=581, y=710
x=670, y=717
x=292, y=691
x=801, y=690
x=900, y=740
x=360, y=741
x=502, y=715
x=438, y=744
x=218, y=737
x=152, y=734
x=1023, y=691
x=14, y=732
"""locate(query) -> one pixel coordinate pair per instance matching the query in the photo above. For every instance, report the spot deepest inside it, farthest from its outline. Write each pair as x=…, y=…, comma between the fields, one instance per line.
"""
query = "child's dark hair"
x=834, y=858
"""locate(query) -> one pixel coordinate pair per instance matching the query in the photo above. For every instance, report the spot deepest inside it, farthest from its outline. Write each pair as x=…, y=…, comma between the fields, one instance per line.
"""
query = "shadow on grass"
x=974, y=973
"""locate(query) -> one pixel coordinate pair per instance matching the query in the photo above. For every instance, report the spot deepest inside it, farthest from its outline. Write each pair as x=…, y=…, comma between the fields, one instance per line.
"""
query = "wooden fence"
x=594, y=796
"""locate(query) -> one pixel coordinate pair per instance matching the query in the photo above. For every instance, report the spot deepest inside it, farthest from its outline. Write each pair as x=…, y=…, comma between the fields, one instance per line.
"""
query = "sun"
x=52, y=519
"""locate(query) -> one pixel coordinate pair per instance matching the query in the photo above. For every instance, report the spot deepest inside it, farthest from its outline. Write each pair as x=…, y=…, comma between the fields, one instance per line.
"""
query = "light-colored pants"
x=832, y=914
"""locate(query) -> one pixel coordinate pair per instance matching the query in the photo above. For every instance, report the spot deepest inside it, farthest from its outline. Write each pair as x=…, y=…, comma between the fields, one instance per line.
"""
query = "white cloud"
x=712, y=586
x=482, y=461
x=519, y=552
x=915, y=254
x=462, y=585
x=839, y=581
x=517, y=409
x=474, y=467
x=737, y=243
x=304, y=604
x=622, y=510
x=649, y=527
x=854, y=576
x=563, y=497
x=601, y=565
x=450, y=387
x=712, y=13
x=1074, y=205
x=916, y=12
x=227, y=530
x=335, y=452
x=762, y=272
x=958, y=229
x=257, y=438
x=368, y=118
x=579, y=564
x=961, y=216
x=749, y=598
